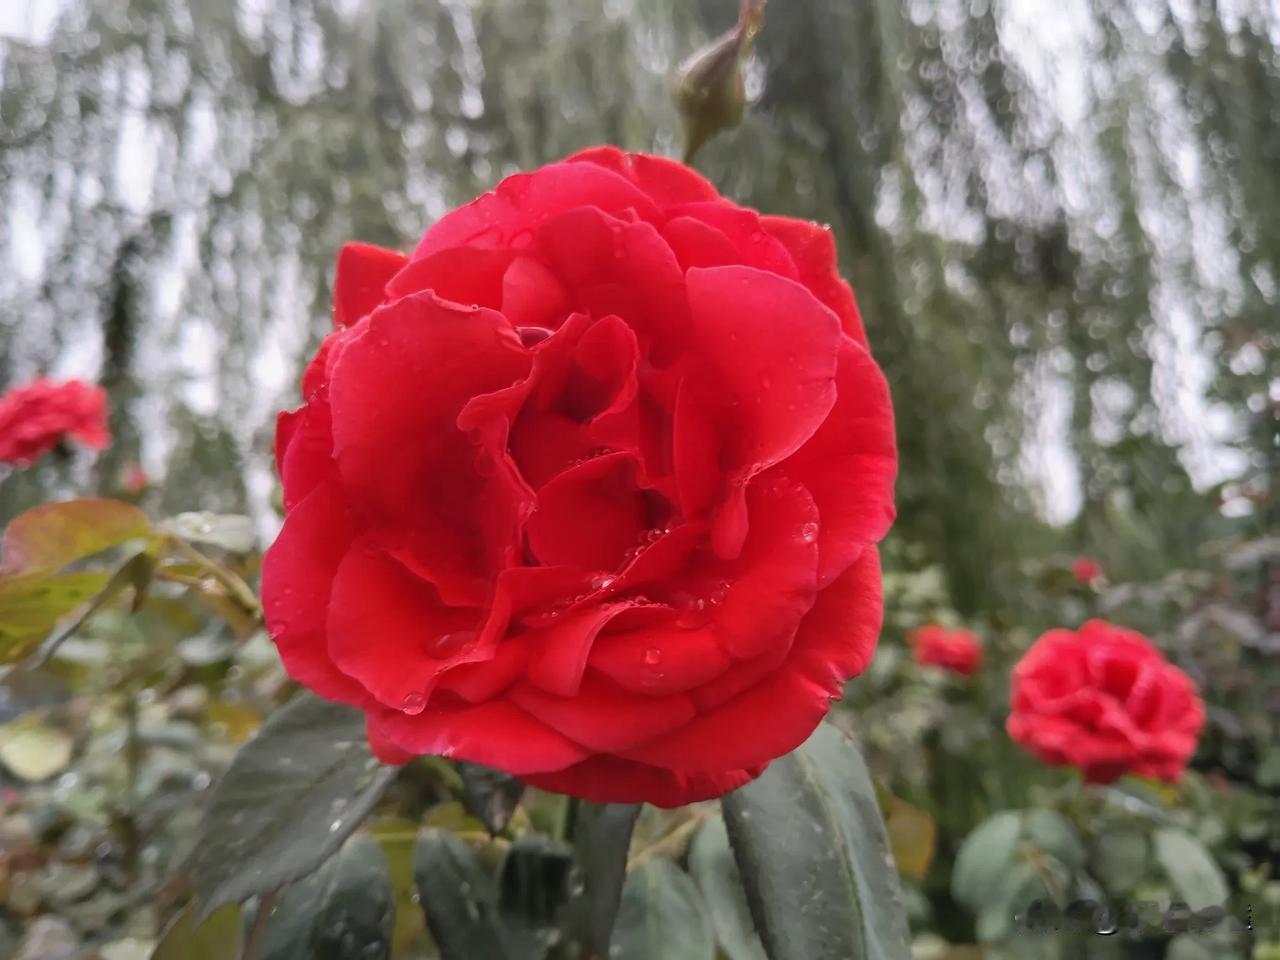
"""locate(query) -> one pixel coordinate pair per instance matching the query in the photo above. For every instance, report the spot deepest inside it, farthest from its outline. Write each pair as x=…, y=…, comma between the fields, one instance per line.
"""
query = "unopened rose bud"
x=709, y=88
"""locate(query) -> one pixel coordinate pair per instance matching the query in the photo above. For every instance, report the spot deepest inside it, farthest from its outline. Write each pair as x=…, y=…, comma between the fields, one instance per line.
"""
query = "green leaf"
x=218, y=937
x=712, y=866
x=1054, y=834
x=32, y=604
x=1120, y=859
x=602, y=839
x=342, y=910
x=135, y=572
x=52, y=535
x=984, y=857
x=460, y=901
x=490, y=796
x=292, y=795
x=661, y=917
x=1195, y=877
x=814, y=858
x=226, y=531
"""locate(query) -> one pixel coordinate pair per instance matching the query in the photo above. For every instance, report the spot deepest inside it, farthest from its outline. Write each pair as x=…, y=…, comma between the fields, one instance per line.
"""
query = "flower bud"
x=709, y=89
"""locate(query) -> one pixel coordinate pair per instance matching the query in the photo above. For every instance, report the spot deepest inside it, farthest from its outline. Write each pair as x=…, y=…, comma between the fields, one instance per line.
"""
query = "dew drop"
x=603, y=581
x=652, y=656
x=447, y=644
x=413, y=704
x=809, y=533
x=335, y=826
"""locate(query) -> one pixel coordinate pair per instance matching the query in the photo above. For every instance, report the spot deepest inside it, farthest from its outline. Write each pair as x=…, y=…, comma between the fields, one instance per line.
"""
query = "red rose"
x=587, y=488
x=35, y=417
x=1104, y=699
x=956, y=650
x=1086, y=569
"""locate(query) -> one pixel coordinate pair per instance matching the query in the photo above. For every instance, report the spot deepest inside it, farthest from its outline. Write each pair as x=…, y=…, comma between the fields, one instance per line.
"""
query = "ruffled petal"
x=589, y=515
x=764, y=363
x=389, y=630
x=664, y=181
x=512, y=211
x=813, y=250
x=752, y=244
x=497, y=734
x=607, y=779
x=460, y=518
x=297, y=581
x=361, y=279
x=850, y=464
x=603, y=717
x=462, y=275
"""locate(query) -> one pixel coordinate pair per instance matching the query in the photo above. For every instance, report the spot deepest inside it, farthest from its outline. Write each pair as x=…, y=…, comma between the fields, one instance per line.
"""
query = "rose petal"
x=752, y=244
x=428, y=358
x=462, y=275
x=361, y=278
x=589, y=515
x=603, y=717
x=521, y=203
x=850, y=464
x=496, y=734
x=389, y=630
x=765, y=365
x=813, y=250
x=665, y=181
x=607, y=779
x=659, y=659
x=297, y=580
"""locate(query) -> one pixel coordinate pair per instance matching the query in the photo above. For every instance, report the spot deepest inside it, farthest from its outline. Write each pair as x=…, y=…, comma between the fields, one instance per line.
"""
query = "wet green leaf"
x=713, y=868
x=291, y=797
x=602, y=839
x=662, y=917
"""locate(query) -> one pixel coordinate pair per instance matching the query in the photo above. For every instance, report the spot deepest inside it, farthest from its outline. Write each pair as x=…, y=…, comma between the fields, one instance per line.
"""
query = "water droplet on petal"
x=809, y=533
x=652, y=656
x=413, y=704
x=603, y=581
x=447, y=644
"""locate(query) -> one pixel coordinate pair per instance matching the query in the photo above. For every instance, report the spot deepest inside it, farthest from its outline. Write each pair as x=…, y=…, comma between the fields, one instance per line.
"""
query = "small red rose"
x=588, y=487
x=1104, y=699
x=37, y=416
x=1086, y=569
x=958, y=651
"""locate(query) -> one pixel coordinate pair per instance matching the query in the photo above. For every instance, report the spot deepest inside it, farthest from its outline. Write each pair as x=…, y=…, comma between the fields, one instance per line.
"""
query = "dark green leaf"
x=460, y=901
x=218, y=937
x=490, y=796
x=814, y=858
x=52, y=535
x=342, y=910
x=292, y=795
x=602, y=839
x=662, y=917
x=712, y=866
x=1195, y=877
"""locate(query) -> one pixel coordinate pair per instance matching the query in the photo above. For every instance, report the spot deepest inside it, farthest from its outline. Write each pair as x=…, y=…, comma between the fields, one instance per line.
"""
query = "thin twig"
x=253, y=942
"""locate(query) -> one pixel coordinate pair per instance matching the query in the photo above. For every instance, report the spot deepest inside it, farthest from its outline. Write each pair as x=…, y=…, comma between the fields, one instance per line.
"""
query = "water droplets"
x=652, y=657
x=808, y=533
x=335, y=826
x=447, y=644
x=603, y=581
x=413, y=704
x=652, y=674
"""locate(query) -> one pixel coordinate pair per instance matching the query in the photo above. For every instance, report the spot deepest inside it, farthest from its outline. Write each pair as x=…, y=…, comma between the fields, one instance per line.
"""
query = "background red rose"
x=588, y=487
x=1086, y=569
x=959, y=651
x=1104, y=699
x=36, y=416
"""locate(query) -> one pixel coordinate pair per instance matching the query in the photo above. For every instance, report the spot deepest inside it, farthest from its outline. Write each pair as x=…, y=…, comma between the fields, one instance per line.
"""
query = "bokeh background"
x=1062, y=221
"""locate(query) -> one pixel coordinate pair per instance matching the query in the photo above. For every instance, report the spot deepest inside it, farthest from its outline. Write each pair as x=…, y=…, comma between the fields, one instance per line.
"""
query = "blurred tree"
x=1064, y=225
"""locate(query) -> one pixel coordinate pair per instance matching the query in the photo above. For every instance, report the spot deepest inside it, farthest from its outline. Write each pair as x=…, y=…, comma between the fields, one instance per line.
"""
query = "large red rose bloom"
x=588, y=487
x=37, y=416
x=1104, y=699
